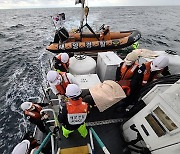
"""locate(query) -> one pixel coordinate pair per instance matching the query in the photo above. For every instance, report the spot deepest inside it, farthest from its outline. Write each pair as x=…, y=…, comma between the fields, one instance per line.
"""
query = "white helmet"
x=54, y=78
x=159, y=63
x=22, y=147
x=26, y=105
x=72, y=91
x=131, y=58
x=64, y=57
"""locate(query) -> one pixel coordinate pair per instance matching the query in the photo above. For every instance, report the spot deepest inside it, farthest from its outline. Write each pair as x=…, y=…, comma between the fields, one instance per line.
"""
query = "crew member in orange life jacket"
x=59, y=81
x=146, y=73
x=74, y=113
x=32, y=112
x=150, y=71
x=126, y=70
x=61, y=62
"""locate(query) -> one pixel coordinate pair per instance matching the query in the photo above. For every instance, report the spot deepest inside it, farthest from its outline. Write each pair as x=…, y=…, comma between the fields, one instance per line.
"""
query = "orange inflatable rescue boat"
x=77, y=42
x=80, y=41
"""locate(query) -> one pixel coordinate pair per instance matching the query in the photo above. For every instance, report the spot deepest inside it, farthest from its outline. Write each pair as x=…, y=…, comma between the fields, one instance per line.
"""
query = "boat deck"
x=107, y=126
x=109, y=134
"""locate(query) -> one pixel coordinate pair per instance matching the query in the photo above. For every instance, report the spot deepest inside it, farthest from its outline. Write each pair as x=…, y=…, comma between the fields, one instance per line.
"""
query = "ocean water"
x=25, y=33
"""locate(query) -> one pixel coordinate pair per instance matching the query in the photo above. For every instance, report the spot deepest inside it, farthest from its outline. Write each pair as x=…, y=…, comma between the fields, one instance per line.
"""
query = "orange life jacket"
x=125, y=85
x=65, y=81
x=34, y=113
x=128, y=72
x=65, y=65
x=126, y=75
x=77, y=111
x=147, y=73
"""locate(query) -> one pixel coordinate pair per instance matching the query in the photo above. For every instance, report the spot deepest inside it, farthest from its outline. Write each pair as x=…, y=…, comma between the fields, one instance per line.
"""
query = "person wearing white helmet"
x=146, y=73
x=32, y=112
x=59, y=81
x=61, y=62
x=151, y=70
x=26, y=146
x=22, y=148
x=34, y=145
x=126, y=70
x=74, y=113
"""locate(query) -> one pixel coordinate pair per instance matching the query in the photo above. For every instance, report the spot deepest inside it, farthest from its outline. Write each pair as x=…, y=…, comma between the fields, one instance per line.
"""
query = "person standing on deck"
x=126, y=70
x=150, y=71
x=32, y=112
x=74, y=113
x=146, y=73
x=61, y=62
x=59, y=81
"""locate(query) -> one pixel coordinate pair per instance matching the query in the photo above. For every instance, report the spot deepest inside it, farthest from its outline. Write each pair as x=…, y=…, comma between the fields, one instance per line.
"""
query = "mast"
x=82, y=11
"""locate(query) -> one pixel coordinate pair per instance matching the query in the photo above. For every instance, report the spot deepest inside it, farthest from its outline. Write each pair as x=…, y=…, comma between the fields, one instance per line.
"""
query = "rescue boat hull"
x=90, y=43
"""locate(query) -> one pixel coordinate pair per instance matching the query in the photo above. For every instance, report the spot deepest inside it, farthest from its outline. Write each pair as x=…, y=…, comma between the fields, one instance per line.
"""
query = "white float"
x=80, y=65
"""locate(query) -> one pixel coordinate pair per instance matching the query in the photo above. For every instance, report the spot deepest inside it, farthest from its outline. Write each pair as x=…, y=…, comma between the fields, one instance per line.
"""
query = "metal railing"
x=44, y=142
x=55, y=120
x=50, y=134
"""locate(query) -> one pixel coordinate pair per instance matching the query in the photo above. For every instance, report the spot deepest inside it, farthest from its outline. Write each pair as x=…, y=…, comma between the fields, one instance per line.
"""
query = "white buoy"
x=81, y=65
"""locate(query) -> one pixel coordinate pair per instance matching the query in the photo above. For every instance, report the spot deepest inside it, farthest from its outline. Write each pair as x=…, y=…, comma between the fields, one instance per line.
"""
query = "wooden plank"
x=75, y=150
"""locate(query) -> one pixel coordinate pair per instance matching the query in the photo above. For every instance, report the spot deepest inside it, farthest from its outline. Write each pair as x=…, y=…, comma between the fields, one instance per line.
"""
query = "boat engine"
x=63, y=34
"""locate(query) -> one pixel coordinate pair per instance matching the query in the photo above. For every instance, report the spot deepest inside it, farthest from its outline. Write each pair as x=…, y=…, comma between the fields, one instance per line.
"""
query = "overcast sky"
x=10, y=4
